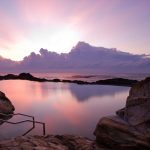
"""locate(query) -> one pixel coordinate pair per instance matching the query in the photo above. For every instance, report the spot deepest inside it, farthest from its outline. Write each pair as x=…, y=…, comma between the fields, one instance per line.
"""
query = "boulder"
x=115, y=134
x=130, y=129
x=6, y=106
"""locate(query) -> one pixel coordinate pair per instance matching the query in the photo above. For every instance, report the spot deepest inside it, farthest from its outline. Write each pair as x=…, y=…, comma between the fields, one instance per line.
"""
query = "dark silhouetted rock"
x=117, y=81
x=115, y=134
x=28, y=76
x=79, y=82
x=56, y=80
x=121, y=113
x=6, y=106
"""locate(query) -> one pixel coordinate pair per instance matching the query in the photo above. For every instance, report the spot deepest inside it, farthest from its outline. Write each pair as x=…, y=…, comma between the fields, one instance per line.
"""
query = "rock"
x=140, y=89
x=6, y=106
x=137, y=109
x=121, y=113
x=28, y=76
x=130, y=129
x=49, y=142
x=25, y=76
x=10, y=76
x=117, y=81
x=116, y=134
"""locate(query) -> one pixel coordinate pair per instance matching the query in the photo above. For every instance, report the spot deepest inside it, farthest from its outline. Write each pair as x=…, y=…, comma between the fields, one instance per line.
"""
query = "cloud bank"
x=82, y=58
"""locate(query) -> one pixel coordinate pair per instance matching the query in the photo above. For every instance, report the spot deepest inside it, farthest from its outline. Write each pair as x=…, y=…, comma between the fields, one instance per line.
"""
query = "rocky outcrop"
x=137, y=109
x=130, y=129
x=6, y=106
x=117, y=81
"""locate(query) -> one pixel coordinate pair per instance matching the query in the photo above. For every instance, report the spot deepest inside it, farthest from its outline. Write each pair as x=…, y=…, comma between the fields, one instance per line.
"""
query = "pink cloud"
x=10, y=32
x=37, y=11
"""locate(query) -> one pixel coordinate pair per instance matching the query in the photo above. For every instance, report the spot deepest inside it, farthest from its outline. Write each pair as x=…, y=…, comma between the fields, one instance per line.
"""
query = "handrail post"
x=43, y=128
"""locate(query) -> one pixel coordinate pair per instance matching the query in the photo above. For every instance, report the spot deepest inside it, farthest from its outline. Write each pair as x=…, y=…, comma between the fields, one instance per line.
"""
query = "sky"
x=57, y=25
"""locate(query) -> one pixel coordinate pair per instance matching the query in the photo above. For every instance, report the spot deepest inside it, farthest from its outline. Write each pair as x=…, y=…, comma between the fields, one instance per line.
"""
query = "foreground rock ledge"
x=49, y=142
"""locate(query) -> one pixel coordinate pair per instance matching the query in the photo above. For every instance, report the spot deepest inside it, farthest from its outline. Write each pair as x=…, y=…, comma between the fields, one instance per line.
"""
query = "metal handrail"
x=18, y=115
x=33, y=121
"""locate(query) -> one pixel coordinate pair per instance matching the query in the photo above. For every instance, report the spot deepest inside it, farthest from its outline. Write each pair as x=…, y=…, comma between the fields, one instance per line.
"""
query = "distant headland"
x=29, y=77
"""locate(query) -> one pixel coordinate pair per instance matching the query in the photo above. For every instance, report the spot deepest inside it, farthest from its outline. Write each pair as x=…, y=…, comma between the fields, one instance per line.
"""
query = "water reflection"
x=59, y=106
x=83, y=93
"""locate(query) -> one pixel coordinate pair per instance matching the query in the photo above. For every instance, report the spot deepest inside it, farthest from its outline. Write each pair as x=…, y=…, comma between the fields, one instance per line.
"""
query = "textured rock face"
x=137, y=110
x=115, y=134
x=140, y=89
x=6, y=106
x=130, y=130
x=50, y=142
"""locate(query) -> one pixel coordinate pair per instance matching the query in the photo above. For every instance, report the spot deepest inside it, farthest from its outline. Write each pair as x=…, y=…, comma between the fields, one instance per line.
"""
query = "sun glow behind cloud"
x=62, y=40
x=59, y=41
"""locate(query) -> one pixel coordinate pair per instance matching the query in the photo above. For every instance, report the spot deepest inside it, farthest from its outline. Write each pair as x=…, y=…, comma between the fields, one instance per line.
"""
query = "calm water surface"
x=64, y=107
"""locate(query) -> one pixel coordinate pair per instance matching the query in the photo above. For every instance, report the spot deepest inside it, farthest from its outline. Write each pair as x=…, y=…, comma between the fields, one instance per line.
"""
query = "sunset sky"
x=57, y=25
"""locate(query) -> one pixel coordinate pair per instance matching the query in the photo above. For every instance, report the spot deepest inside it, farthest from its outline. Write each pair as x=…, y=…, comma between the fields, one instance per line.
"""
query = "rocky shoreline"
x=28, y=76
x=129, y=129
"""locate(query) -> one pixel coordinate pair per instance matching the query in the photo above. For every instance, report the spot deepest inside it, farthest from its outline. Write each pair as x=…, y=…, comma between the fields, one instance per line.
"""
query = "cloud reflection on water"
x=65, y=108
